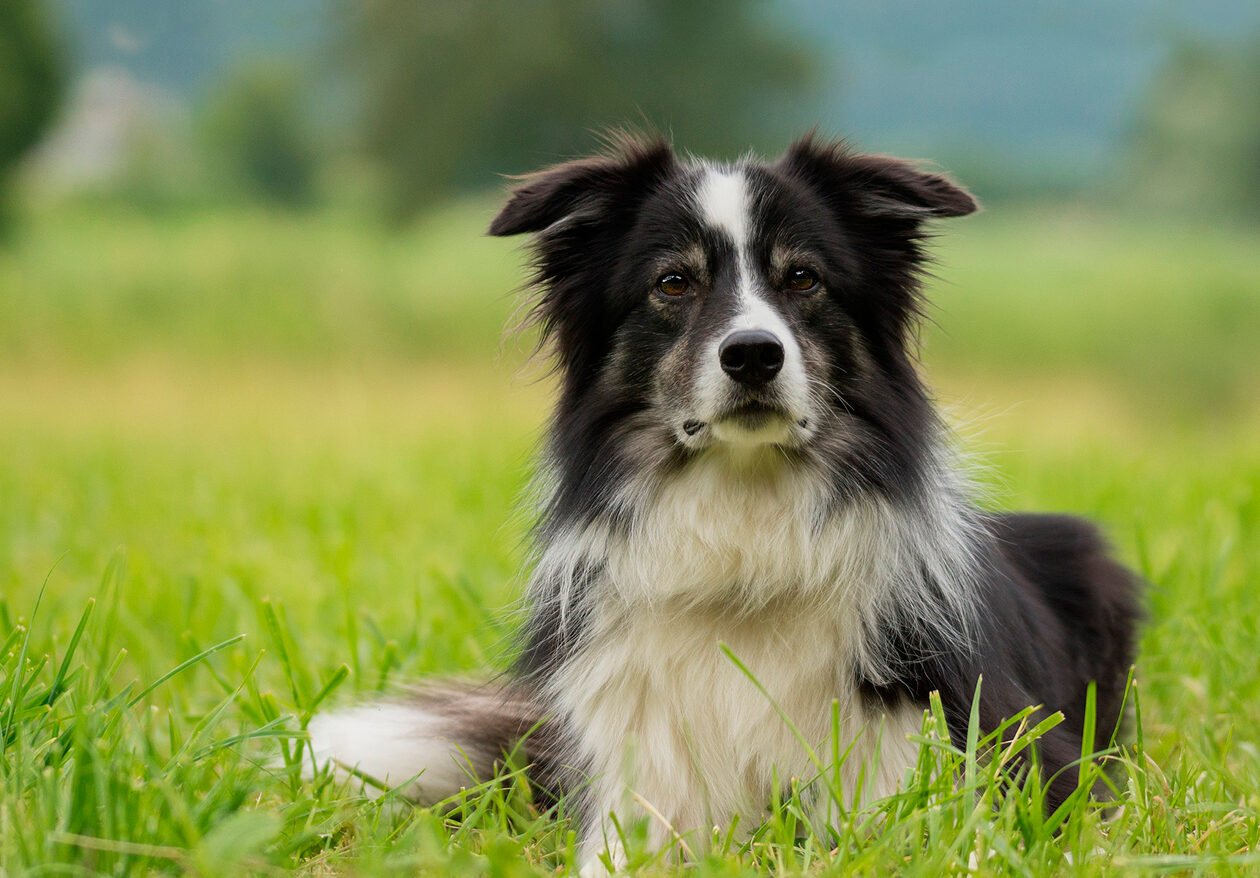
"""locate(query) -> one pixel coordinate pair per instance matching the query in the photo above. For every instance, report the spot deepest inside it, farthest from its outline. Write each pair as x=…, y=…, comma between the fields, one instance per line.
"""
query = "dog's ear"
x=585, y=186
x=876, y=185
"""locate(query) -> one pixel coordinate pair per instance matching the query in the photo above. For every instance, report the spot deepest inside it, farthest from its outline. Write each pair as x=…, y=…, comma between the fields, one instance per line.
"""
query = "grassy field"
x=251, y=464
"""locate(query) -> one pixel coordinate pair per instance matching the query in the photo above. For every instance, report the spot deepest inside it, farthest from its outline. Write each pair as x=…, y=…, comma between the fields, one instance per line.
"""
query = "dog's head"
x=710, y=306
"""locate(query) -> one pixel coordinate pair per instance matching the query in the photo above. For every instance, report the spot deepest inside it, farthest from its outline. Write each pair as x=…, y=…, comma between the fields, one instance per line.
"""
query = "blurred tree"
x=454, y=93
x=1197, y=144
x=257, y=133
x=32, y=81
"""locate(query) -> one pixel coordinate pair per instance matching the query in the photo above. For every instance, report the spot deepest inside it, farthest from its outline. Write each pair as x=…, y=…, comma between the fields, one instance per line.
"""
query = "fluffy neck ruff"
x=742, y=535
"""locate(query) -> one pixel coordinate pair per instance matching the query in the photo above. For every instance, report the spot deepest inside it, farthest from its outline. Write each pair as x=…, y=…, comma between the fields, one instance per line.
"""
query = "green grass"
x=236, y=425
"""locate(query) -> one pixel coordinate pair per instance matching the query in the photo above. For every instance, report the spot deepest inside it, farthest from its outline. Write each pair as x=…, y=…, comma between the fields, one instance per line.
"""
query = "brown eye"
x=801, y=280
x=673, y=284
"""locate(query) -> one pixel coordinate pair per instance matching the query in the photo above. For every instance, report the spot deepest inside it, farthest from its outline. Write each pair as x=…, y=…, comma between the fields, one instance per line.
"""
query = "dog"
x=751, y=517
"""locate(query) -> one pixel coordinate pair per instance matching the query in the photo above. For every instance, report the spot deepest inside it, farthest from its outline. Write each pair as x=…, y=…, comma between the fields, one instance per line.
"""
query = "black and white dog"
x=743, y=453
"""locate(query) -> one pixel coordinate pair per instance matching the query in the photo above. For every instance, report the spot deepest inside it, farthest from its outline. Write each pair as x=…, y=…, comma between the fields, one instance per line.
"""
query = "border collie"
x=743, y=460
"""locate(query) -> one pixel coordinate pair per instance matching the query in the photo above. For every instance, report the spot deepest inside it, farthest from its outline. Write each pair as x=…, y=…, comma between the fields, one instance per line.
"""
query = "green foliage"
x=1198, y=141
x=258, y=135
x=455, y=93
x=31, y=81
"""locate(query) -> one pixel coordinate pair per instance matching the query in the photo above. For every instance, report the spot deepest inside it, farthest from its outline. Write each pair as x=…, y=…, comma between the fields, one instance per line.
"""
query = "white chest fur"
x=665, y=716
x=748, y=558
x=739, y=537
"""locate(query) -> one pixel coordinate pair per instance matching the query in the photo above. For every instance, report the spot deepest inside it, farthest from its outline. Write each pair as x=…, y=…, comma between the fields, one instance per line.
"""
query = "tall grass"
x=219, y=511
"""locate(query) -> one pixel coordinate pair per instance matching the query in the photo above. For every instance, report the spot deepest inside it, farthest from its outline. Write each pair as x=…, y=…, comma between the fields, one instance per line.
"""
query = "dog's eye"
x=673, y=284
x=801, y=280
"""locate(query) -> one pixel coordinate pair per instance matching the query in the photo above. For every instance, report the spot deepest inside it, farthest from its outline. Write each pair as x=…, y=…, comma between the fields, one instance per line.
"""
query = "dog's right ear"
x=586, y=186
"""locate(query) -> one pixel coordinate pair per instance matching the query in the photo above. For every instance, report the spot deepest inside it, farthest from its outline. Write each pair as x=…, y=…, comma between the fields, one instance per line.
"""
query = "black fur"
x=1057, y=614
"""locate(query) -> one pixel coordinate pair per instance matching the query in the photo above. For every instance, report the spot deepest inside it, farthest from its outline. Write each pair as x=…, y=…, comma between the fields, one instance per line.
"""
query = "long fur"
x=816, y=525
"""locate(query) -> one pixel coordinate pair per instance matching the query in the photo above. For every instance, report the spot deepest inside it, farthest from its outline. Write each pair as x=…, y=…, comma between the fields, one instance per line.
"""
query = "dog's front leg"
x=618, y=813
x=601, y=853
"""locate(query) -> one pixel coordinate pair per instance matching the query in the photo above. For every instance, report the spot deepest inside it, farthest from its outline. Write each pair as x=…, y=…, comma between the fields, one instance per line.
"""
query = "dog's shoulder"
x=1070, y=564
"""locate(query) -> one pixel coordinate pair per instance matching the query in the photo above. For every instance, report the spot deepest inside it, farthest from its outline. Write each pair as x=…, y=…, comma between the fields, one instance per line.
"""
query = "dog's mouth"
x=748, y=422
x=753, y=415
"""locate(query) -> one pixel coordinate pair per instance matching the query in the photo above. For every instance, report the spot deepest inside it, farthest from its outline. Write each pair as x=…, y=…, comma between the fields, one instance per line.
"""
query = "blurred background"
x=255, y=379
x=308, y=180
x=242, y=247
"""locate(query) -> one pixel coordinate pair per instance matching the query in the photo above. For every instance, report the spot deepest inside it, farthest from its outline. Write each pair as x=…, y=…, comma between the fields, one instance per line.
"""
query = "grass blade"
x=183, y=666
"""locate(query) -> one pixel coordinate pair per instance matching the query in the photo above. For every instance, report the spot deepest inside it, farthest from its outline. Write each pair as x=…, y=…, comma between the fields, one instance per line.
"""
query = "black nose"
x=751, y=356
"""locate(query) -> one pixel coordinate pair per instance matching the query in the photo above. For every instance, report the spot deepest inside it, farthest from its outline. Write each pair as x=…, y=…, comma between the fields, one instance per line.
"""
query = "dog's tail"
x=431, y=742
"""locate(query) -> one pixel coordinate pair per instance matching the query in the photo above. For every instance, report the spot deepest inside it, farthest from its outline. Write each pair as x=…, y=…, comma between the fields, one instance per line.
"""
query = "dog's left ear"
x=587, y=188
x=876, y=185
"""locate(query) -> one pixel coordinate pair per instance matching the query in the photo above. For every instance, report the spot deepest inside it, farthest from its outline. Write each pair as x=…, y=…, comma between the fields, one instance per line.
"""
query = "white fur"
x=392, y=744
x=745, y=529
x=723, y=197
x=725, y=204
x=673, y=729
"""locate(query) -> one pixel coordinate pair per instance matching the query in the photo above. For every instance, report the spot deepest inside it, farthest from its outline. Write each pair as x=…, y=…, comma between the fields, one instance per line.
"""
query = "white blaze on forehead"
x=724, y=201
x=723, y=197
x=725, y=205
